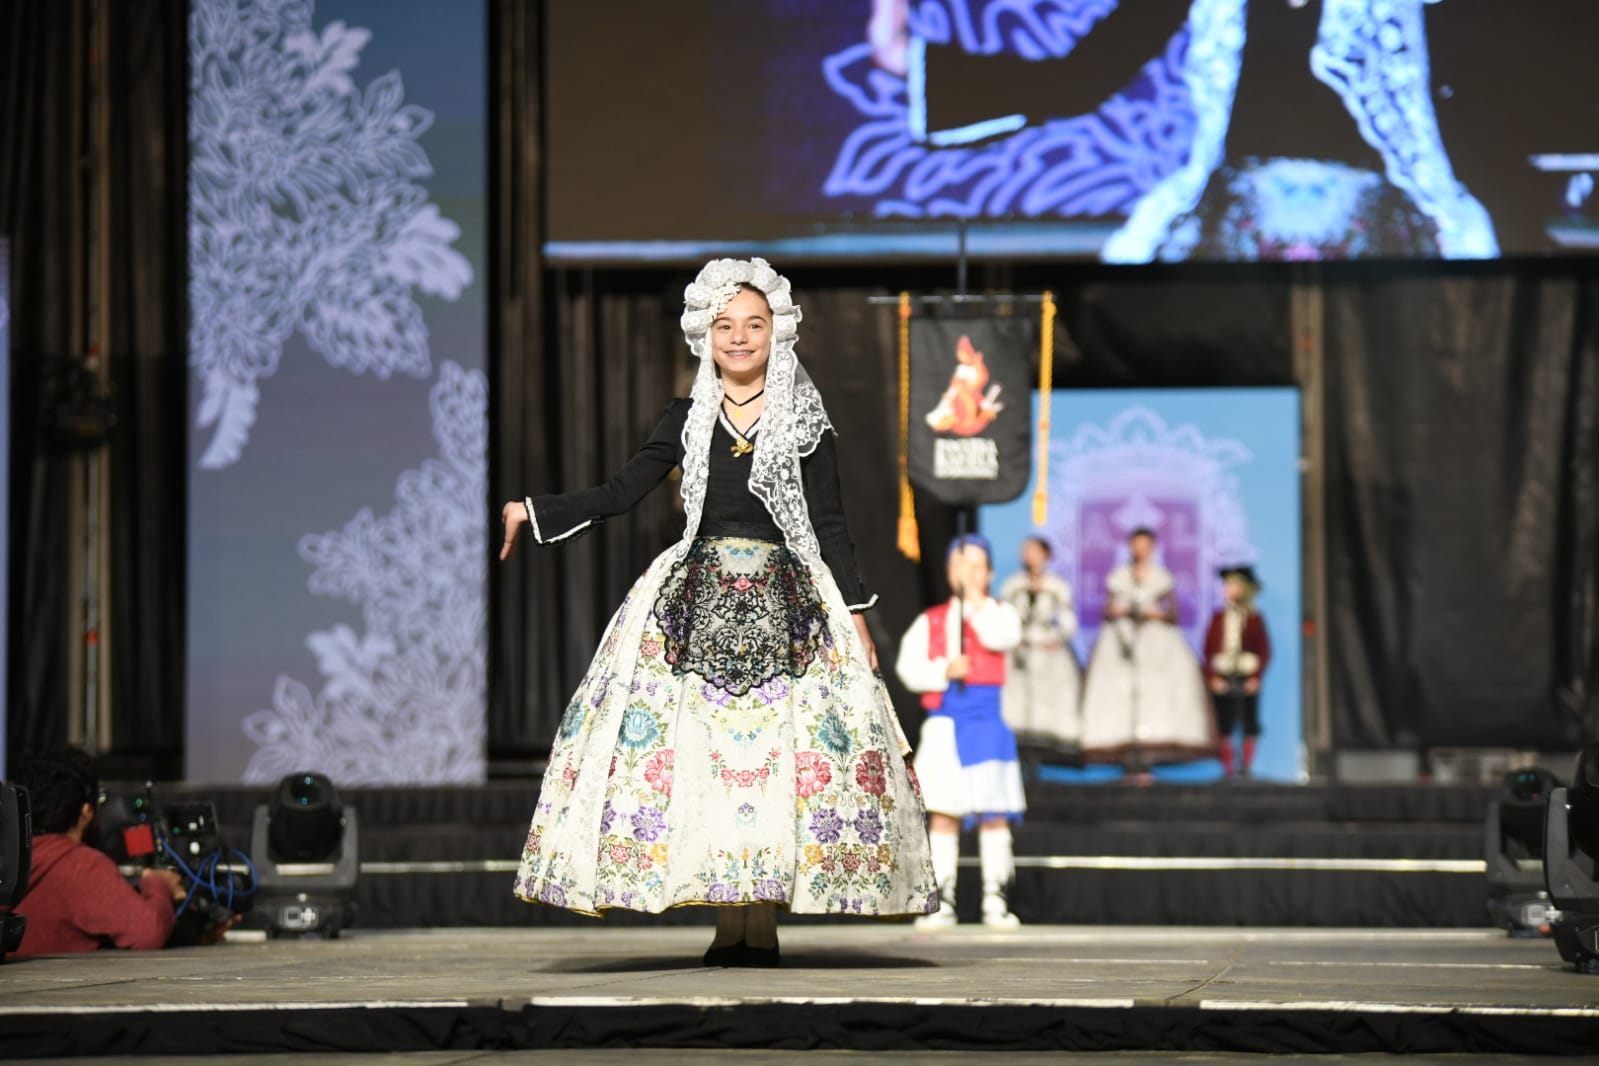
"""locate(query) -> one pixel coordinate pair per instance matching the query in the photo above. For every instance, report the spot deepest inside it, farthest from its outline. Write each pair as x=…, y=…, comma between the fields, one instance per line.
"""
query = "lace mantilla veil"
x=793, y=420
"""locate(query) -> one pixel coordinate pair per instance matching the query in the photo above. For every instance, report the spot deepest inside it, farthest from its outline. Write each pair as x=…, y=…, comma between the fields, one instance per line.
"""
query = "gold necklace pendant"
x=741, y=447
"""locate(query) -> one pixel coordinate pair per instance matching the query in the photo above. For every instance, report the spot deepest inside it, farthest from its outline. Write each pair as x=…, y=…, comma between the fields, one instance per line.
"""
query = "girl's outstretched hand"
x=514, y=516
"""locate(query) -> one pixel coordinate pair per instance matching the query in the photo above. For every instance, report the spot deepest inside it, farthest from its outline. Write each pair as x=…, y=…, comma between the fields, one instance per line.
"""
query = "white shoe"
x=943, y=918
x=996, y=915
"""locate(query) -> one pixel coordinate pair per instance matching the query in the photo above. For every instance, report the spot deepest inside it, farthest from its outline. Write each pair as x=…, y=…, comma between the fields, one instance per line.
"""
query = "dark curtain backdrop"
x=38, y=215
x=44, y=196
x=146, y=336
x=1463, y=474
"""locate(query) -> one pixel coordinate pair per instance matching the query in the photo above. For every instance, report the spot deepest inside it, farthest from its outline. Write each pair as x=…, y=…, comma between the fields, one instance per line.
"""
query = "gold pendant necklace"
x=742, y=445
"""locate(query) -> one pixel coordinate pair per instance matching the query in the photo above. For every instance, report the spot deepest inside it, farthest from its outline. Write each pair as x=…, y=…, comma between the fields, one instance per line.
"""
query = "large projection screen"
x=1155, y=130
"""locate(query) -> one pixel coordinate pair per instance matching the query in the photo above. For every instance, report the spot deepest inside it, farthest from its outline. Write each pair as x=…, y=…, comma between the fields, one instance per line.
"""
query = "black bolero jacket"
x=731, y=509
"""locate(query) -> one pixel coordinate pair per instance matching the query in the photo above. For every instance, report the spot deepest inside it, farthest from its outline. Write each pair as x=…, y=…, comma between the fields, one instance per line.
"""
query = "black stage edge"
x=860, y=986
x=1251, y=854
x=807, y=1026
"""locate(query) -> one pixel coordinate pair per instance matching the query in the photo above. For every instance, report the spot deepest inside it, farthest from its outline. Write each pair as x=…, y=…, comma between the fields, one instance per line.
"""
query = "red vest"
x=988, y=667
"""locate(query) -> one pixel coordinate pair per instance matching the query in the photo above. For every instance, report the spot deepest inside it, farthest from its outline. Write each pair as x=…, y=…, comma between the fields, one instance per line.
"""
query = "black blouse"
x=731, y=509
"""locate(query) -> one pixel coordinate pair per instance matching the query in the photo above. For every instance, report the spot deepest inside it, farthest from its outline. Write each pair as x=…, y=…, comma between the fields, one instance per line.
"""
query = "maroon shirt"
x=1254, y=640
x=77, y=901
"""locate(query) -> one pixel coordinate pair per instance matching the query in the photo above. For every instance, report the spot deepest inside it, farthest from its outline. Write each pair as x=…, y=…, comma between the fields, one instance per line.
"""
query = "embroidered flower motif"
x=869, y=825
x=619, y=854
x=833, y=736
x=639, y=729
x=869, y=773
x=770, y=890
x=826, y=825
x=553, y=894
x=812, y=773
x=572, y=721
x=851, y=861
x=658, y=771
x=648, y=824
x=649, y=647
x=607, y=817
x=721, y=892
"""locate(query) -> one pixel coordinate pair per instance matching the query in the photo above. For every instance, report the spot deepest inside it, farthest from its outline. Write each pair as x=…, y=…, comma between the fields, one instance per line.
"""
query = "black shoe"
x=761, y=958
x=727, y=955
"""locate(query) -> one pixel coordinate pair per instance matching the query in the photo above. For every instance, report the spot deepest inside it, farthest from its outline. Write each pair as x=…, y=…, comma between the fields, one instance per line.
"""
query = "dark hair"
x=1049, y=549
x=1142, y=531
x=59, y=783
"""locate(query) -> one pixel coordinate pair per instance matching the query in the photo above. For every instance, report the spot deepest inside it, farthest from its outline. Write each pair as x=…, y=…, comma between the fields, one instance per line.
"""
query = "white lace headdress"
x=793, y=419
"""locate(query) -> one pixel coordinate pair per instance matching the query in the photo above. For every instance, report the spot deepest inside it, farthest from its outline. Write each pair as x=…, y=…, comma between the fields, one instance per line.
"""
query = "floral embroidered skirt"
x=730, y=745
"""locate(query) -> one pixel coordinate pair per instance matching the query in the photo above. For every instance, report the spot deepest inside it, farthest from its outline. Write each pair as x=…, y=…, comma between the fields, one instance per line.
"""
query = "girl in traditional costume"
x=1144, y=701
x=731, y=744
x=1044, y=683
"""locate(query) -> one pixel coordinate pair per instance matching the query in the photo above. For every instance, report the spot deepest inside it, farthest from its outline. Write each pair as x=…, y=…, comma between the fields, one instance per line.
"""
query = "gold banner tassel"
x=1046, y=374
x=910, y=537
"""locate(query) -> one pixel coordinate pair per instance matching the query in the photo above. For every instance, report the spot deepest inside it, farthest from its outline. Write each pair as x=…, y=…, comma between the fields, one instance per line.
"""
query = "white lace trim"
x=855, y=608
x=538, y=535
x=574, y=531
x=794, y=419
x=1374, y=56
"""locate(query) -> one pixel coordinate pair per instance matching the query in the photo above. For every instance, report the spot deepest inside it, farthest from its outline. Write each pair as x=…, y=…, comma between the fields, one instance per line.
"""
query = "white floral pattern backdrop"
x=338, y=483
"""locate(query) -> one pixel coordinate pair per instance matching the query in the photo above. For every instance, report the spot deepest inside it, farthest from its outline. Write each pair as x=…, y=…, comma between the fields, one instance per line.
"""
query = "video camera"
x=183, y=836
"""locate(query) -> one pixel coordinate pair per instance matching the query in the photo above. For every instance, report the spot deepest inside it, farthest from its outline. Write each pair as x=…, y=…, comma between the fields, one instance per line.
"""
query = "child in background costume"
x=955, y=655
x=1144, y=701
x=1237, y=650
x=1044, y=682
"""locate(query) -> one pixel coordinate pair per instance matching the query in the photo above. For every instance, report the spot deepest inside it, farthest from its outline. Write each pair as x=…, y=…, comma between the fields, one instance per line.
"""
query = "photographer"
x=77, y=900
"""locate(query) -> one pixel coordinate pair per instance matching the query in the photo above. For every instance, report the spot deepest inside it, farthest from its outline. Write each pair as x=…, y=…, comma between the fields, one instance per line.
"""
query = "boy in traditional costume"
x=1237, y=650
x=955, y=655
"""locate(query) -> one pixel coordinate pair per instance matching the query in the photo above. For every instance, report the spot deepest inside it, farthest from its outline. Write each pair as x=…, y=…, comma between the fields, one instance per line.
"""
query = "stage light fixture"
x=16, y=864
x=1514, y=832
x=1571, y=863
x=305, y=844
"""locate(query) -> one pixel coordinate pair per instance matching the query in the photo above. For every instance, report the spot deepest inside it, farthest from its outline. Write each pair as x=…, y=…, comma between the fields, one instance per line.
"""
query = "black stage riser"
x=1430, y=826
x=1261, y=898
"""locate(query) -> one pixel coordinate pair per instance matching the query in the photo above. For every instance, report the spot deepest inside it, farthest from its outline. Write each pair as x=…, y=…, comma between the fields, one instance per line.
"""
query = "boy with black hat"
x=1237, y=650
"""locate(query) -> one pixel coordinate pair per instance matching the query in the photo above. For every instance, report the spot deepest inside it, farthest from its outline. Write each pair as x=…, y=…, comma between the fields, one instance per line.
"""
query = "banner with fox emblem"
x=970, y=433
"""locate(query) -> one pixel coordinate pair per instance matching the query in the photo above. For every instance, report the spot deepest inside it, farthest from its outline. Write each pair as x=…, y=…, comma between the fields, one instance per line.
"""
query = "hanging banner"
x=970, y=433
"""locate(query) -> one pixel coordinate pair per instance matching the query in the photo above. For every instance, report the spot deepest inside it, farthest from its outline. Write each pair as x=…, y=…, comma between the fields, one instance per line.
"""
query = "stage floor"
x=857, y=986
